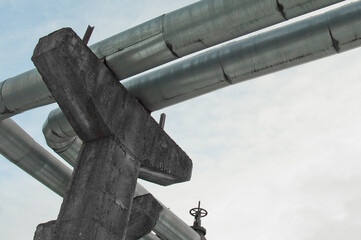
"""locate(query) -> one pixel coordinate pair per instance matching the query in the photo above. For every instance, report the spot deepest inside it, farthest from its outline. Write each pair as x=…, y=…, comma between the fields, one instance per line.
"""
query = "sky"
x=274, y=158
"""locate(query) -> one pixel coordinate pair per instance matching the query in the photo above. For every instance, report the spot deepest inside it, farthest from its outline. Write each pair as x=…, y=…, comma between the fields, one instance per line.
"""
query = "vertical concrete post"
x=98, y=202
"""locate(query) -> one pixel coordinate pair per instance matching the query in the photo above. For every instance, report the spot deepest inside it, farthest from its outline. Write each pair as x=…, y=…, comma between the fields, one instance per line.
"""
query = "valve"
x=198, y=213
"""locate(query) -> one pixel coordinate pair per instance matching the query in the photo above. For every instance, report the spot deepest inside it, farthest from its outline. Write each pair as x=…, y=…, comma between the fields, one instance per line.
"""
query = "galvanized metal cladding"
x=310, y=39
x=193, y=28
x=163, y=39
x=205, y=72
x=18, y=147
x=22, y=92
x=300, y=42
x=61, y=137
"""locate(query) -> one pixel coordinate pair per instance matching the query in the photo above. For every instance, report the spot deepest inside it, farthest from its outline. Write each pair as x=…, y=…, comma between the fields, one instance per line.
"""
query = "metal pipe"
x=60, y=136
x=332, y=32
x=300, y=42
x=193, y=28
x=171, y=227
x=163, y=39
x=22, y=92
x=18, y=147
x=22, y=150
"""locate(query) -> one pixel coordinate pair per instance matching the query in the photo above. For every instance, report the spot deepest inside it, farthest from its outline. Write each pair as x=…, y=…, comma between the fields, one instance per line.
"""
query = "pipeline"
x=22, y=150
x=300, y=42
x=163, y=39
x=310, y=39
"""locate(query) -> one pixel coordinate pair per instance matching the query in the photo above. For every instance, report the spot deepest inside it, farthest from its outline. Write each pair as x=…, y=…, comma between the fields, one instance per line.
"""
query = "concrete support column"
x=98, y=203
x=120, y=139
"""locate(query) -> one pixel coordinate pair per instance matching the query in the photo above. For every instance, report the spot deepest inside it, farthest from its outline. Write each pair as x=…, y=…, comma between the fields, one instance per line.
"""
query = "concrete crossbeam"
x=97, y=105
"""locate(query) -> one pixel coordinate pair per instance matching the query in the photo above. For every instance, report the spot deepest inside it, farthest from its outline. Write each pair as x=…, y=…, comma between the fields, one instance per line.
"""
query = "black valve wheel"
x=198, y=212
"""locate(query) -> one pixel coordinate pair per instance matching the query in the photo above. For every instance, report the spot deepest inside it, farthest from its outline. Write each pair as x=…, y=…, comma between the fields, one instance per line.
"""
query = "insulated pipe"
x=193, y=28
x=163, y=39
x=18, y=147
x=284, y=47
x=23, y=92
x=300, y=42
x=61, y=137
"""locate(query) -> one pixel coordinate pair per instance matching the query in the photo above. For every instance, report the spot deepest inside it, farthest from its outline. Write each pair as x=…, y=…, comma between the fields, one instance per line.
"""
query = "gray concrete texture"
x=97, y=105
x=144, y=216
x=118, y=134
x=44, y=231
x=98, y=202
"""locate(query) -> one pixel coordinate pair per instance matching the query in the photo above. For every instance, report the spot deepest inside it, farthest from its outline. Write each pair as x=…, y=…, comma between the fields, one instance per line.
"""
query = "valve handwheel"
x=198, y=212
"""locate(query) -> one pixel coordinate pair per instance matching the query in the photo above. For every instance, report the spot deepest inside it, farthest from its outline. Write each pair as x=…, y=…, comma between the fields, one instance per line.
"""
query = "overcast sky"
x=275, y=158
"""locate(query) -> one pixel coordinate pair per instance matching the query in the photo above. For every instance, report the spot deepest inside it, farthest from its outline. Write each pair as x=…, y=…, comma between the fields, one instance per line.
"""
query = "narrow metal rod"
x=162, y=120
x=88, y=34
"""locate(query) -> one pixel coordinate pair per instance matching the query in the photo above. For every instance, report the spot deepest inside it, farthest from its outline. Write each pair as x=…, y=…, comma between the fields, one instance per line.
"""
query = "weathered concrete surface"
x=145, y=214
x=97, y=105
x=119, y=135
x=44, y=231
x=143, y=217
x=98, y=203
